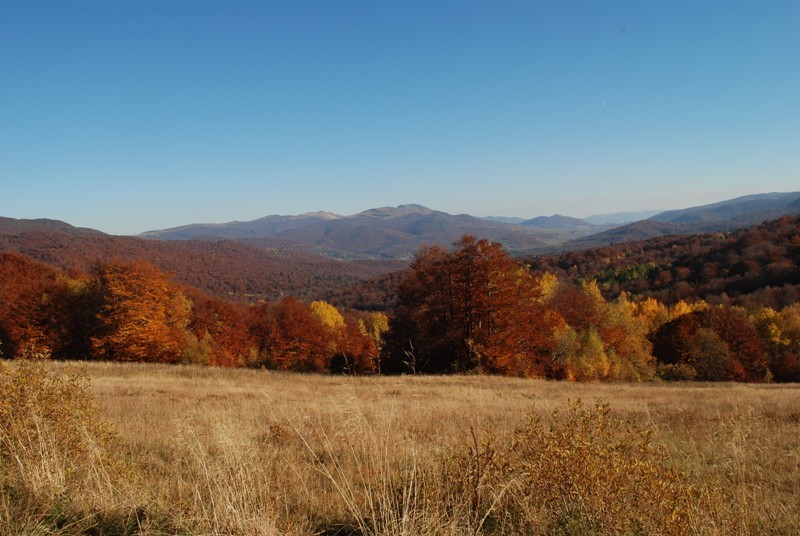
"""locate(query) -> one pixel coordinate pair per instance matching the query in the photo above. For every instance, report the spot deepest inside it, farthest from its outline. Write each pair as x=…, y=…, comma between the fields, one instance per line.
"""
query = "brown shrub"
x=583, y=472
x=58, y=472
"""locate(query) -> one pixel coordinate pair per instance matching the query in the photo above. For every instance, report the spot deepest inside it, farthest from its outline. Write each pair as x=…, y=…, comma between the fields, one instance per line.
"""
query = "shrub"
x=588, y=473
x=580, y=472
x=676, y=372
x=58, y=472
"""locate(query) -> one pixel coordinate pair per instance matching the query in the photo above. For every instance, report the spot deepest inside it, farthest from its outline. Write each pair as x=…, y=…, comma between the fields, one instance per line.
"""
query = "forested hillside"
x=719, y=306
x=223, y=268
x=724, y=216
x=471, y=308
x=755, y=266
x=132, y=311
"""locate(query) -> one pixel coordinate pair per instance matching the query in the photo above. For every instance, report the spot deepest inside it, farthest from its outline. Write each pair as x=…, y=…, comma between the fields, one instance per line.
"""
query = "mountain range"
x=726, y=215
x=313, y=254
x=398, y=232
x=379, y=233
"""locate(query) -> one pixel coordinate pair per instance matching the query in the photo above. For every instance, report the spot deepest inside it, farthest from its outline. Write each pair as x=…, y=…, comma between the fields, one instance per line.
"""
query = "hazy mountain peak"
x=395, y=212
x=321, y=214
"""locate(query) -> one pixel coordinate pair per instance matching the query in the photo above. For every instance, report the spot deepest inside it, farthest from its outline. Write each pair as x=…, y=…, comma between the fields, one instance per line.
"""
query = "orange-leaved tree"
x=23, y=285
x=290, y=337
x=219, y=333
x=474, y=307
x=142, y=315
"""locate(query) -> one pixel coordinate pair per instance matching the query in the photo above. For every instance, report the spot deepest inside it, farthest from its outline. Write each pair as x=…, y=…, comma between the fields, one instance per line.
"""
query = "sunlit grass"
x=216, y=451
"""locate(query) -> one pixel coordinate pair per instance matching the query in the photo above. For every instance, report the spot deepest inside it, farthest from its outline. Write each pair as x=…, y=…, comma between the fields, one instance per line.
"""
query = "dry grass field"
x=215, y=451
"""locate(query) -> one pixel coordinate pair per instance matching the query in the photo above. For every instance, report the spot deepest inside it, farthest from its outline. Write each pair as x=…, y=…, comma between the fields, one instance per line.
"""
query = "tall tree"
x=23, y=289
x=220, y=333
x=470, y=308
x=689, y=341
x=290, y=337
x=142, y=316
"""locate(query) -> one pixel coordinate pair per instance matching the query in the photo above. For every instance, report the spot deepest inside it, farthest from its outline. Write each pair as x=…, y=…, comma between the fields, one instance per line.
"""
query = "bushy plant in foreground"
x=58, y=472
x=586, y=472
x=582, y=471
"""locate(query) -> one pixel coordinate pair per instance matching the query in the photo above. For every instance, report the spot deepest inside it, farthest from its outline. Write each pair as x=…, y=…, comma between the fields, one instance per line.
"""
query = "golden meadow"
x=155, y=449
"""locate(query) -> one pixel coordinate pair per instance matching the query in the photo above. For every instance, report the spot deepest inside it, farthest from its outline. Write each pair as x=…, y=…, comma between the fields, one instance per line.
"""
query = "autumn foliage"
x=475, y=308
x=131, y=311
x=471, y=308
x=142, y=316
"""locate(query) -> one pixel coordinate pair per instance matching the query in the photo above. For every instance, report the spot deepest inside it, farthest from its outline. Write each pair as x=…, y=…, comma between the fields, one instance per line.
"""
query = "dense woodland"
x=223, y=268
x=751, y=267
x=707, y=307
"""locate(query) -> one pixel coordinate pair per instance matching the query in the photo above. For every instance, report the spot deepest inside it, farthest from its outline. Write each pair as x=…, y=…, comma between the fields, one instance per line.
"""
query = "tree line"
x=470, y=308
x=132, y=311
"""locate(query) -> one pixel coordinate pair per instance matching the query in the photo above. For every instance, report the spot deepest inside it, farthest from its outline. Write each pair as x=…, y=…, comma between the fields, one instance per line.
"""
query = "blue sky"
x=126, y=116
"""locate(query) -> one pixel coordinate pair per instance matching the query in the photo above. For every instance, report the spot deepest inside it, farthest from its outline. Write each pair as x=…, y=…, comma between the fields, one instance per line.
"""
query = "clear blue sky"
x=132, y=115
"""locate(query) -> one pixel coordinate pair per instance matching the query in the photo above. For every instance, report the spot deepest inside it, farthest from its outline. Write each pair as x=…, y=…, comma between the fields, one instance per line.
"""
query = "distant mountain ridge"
x=377, y=233
x=620, y=218
x=557, y=221
x=225, y=268
x=725, y=215
x=504, y=219
x=266, y=226
x=304, y=254
x=397, y=233
x=753, y=208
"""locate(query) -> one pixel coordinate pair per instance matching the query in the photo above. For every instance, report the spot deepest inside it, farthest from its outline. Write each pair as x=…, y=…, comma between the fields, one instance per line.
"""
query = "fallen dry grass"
x=218, y=451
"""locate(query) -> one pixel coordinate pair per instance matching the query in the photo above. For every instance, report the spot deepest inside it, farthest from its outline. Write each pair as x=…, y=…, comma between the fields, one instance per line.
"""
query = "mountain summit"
x=395, y=212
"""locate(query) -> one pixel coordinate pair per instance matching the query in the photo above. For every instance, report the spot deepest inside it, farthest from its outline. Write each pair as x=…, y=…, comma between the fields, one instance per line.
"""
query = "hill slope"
x=723, y=216
x=379, y=233
x=222, y=267
x=757, y=265
x=266, y=226
x=747, y=210
x=557, y=221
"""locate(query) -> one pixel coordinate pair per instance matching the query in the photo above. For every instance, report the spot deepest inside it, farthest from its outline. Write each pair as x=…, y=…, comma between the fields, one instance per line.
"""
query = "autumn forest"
x=154, y=387
x=715, y=306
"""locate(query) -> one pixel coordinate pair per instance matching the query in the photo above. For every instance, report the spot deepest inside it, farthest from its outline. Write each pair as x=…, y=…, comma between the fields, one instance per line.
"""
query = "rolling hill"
x=225, y=268
x=557, y=221
x=746, y=210
x=266, y=226
x=398, y=232
x=759, y=264
x=322, y=254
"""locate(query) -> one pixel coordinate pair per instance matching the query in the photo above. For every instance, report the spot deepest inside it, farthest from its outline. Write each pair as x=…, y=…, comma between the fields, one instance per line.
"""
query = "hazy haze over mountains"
x=557, y=221
x=722, y=216
x=397, y=232
x=620, y=218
